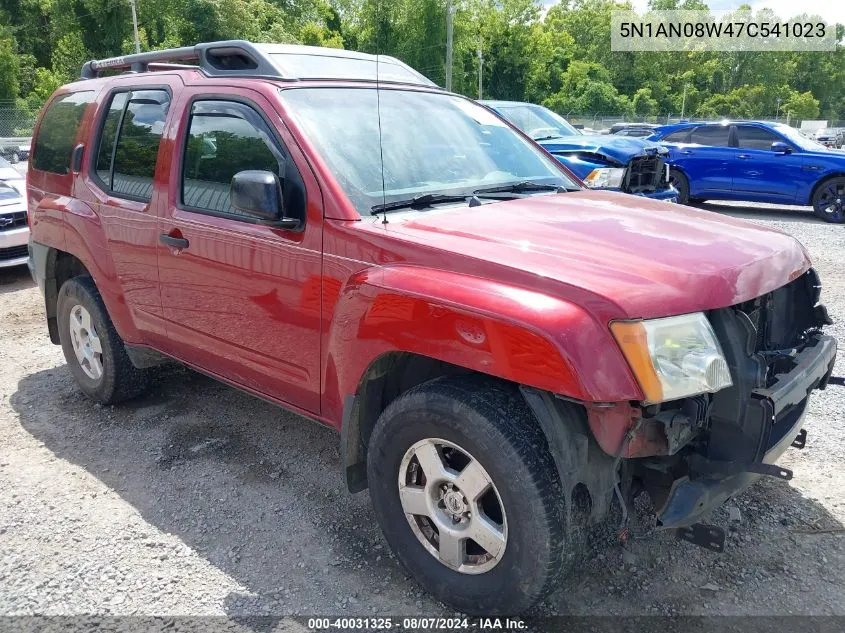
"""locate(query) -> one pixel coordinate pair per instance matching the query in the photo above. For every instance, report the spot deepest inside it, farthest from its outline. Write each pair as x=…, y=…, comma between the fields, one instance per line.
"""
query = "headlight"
x=674, y=357
x=605, y=177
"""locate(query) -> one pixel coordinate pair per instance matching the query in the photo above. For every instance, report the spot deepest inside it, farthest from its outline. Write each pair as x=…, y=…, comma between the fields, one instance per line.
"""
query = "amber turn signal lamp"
x=633, y=340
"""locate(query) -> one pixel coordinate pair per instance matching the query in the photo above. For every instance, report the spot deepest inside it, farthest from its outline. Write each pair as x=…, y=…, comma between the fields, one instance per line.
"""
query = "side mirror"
x=779, y=147
x=258, y=194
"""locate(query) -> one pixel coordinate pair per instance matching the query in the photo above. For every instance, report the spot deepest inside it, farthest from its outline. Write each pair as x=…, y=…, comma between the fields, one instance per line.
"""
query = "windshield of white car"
x=538, y=122
x=432, y=143
x=796, y=138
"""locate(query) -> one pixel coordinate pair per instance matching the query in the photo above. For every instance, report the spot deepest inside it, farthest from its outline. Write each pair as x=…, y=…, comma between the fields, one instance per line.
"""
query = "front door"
x=241, y=299
x=758, y=171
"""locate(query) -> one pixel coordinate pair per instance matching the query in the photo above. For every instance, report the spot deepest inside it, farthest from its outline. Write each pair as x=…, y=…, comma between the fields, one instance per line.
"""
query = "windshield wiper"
x=418, y=202
x=549, y=137
x=521, y=187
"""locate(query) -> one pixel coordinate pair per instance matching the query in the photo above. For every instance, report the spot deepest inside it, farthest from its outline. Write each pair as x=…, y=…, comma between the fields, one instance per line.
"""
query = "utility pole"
x=135, y=26
x=684, y=101
x=480, y=68
x=777, y=112
x=449, y=11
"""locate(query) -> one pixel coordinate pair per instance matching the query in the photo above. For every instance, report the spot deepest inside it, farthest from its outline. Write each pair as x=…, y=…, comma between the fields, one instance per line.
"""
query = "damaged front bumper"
x=782, y=406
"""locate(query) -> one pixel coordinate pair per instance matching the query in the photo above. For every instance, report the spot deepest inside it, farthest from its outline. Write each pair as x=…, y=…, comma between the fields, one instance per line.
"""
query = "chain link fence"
x=16, y=121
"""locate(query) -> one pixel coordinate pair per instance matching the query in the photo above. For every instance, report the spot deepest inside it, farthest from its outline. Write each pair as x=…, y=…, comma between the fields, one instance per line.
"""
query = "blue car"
x=754, y=161
x=632, y=165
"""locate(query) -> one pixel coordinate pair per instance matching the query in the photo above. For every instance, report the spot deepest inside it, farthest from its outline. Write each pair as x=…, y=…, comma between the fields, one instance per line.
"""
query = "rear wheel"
x=92, y=347
x=829, y=200
x=467, y=495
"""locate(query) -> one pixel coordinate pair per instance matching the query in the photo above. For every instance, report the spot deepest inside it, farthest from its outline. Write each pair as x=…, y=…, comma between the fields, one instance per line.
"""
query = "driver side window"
x=751, y=137
x=224, y=138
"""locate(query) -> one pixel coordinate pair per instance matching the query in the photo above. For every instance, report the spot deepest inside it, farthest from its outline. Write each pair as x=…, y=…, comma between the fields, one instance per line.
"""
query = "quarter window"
x=227, y=137
x=54, y=144
x=712, y=135
x=750, y=137
x=129, y=142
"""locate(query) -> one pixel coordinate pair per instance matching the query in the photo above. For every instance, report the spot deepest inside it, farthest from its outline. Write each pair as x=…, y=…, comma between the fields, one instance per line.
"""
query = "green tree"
x=643, y=103
x=9, y=65
x=802, y=105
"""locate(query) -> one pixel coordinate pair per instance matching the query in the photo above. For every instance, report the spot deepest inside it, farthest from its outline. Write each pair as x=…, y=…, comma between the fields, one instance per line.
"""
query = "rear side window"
x=224, y=138
x=129, y=141
x=54, y=144
x=712, y=135
x=681, y=136
x=751, y=137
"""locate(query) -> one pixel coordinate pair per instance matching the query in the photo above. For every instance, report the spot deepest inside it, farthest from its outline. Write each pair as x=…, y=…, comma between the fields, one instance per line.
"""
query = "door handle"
x=743, y=156
x=173, y=242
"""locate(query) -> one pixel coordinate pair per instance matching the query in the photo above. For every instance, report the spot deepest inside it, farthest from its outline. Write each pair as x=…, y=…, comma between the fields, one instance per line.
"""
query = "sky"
x=832, y=11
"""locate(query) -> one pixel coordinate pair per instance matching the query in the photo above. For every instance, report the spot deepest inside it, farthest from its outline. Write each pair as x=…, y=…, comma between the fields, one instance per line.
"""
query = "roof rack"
x=239, y=58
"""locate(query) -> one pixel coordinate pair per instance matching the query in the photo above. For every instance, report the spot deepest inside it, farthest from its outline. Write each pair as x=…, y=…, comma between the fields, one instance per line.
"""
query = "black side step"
x=707, y=536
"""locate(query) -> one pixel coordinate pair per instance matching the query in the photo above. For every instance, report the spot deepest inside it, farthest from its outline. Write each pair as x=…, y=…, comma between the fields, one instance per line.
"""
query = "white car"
x=12, y=176
x=14, y=230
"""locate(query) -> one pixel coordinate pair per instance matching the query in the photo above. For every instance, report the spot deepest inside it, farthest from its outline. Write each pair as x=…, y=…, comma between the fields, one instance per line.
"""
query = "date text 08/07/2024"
x=416, y=624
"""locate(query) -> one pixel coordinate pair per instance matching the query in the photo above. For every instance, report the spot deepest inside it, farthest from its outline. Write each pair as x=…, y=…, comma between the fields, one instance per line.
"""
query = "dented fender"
x=491, y=327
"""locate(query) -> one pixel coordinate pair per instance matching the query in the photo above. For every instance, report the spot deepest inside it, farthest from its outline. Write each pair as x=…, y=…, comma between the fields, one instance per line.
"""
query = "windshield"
x=537, y=122
x=799, y=139
x=431, y=144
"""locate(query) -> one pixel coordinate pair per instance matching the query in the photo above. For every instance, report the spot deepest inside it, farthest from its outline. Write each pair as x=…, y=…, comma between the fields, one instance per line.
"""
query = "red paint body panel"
x=522, y=289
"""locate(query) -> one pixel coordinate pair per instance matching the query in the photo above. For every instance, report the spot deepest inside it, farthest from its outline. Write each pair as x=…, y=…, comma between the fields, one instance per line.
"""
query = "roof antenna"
x=378, y=114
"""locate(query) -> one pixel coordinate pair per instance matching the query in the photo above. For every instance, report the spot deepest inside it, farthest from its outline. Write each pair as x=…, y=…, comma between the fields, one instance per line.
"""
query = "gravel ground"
x=198, y=499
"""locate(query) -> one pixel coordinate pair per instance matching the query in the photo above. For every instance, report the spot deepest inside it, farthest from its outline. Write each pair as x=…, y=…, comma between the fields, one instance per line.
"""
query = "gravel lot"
x=198, y=499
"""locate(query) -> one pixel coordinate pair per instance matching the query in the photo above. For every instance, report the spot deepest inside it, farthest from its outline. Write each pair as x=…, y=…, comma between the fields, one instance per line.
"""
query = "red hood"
x=649, y=258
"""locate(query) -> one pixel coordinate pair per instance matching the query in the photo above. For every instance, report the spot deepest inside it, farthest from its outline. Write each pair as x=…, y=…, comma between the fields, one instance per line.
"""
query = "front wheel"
x=467, y=495
x=829, y=200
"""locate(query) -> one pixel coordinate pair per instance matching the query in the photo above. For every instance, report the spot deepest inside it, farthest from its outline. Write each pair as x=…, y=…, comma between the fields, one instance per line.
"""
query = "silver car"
x=14, y=230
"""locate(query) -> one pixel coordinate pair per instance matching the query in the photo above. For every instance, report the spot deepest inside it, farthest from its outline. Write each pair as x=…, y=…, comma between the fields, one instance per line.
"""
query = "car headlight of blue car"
x=605, y=177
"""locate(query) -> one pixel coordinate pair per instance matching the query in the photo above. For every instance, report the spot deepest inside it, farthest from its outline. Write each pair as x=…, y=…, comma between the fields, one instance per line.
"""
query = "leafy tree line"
x=558, y=56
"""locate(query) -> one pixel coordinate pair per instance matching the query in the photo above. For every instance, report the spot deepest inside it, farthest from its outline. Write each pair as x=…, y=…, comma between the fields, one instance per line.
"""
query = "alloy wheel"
x=831, y=201
x=453, y=506
x=86, y=342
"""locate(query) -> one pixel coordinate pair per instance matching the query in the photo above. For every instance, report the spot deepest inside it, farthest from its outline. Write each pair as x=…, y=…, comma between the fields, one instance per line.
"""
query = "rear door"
x=704, y=158
x=760, y=172
x=241, y=299
x=130, y=124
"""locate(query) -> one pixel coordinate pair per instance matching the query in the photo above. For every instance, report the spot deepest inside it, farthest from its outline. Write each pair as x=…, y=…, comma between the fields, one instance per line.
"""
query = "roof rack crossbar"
x=213, y=58
x=137, y=61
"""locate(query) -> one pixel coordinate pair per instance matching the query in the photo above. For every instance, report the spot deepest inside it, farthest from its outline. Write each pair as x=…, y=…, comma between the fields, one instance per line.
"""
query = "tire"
x=117, y=379
x=678, y=180
x=829, y=200
x=489, y=423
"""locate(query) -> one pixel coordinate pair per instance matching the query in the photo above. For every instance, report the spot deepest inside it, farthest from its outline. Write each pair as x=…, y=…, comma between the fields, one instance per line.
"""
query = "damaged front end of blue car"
x=602, y=161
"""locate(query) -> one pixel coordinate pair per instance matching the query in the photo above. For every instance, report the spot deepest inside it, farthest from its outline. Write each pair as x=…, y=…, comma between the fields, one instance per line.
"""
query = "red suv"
x=509, y=358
